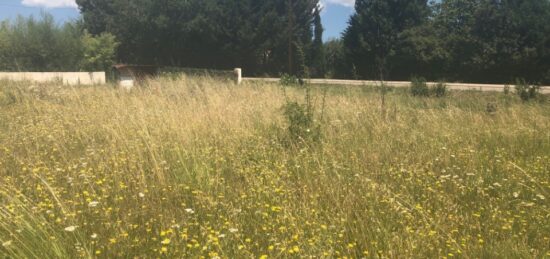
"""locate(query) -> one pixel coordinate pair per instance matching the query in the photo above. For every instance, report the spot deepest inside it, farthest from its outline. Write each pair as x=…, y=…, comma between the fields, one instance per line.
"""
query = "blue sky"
x=335, y=14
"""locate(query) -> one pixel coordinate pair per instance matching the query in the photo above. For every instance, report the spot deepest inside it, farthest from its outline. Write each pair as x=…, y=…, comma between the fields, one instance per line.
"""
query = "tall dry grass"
x=197, y=167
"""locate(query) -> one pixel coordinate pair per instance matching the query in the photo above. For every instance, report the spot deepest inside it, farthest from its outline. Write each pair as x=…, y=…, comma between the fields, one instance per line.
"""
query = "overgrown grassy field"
x=204, y=168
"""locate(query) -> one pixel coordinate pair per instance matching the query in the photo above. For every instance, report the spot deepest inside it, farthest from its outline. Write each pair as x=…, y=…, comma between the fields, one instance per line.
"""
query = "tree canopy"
x=457, y=40
x=253, y=34
x=30, y=44
x=485, y=41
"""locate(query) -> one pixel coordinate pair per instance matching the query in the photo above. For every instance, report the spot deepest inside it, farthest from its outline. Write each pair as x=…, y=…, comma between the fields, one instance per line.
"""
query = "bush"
x=439, y=90
x=419, y=87
x=526, y=91
x=302, y=127
x=288, y=80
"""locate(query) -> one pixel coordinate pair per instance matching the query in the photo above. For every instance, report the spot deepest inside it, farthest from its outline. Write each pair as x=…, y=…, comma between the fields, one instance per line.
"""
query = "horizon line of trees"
x=40, y=45
x=484, y=41
x=264, y=37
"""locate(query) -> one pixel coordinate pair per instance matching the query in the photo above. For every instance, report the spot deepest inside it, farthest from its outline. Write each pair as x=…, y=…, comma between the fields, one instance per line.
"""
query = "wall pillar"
x=239, y=75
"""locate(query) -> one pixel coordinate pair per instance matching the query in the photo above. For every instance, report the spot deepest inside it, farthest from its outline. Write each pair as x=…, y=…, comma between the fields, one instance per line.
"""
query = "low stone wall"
x=403, y=84
x=68, y=78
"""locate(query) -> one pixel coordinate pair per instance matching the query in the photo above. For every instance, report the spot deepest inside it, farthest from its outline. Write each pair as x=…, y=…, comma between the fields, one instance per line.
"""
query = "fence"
x=68, y=78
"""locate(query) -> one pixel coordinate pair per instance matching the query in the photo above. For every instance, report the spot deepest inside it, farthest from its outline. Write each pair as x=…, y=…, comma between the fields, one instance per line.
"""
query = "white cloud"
x=50, y=3
x=348, y=3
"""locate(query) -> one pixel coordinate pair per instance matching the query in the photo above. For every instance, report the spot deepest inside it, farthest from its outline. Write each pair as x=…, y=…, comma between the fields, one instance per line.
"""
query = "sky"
x=335, y=13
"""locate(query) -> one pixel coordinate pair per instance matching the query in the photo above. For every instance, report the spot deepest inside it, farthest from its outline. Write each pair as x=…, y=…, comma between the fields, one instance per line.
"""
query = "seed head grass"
x=196, y=167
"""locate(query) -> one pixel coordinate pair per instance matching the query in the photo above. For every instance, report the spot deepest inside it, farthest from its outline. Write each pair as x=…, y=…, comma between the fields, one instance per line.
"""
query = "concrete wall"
x=450, y=86
x=68, y=78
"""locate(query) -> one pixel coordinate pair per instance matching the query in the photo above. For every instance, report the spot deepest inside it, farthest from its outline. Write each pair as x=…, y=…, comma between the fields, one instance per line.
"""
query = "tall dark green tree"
x=252, y=34
x=318, y=66
x=514, y=40
x=335, y=60
x=375, y=31
x=494, y=41
x=454, y=23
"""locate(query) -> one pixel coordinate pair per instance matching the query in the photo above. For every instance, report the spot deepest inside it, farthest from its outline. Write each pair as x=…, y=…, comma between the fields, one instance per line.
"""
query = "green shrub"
x=288, y=80
x=302, y=126
x=527, y=91
x=419, y=87
x=439, y=90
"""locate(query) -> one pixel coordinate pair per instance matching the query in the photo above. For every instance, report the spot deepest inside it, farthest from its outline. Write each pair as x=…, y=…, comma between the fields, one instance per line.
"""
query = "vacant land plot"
x=206, y=168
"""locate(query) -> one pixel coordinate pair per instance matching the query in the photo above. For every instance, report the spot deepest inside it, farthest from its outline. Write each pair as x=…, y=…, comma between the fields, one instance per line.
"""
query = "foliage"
x=439, y=89
x=462, y=40
x=30, y=44
x=99, y=52
x=318, y=60
x=526, y=91
x=335, y=63
x=289, y=80
x=214, y=34
x=40, y=45
x=301, y=69
x=302, y=125
x=374, y=33
x=419, y=87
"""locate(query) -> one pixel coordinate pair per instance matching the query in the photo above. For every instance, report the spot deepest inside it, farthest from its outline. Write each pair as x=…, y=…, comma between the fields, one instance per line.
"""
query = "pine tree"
x=317, y=50
x=374, y=31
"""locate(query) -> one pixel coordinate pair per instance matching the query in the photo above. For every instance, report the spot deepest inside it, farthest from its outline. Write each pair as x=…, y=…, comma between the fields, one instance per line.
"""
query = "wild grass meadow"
x=202, y=168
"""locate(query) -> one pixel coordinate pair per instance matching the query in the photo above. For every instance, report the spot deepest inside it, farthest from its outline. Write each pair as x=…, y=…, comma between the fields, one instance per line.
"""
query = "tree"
x=99, y=52
x=375, y=30
x=317, y=50
x=514, y=38
x=30, y=44
x=4, y=45
x=494, y=41
x=204, y=33
x=335, y=61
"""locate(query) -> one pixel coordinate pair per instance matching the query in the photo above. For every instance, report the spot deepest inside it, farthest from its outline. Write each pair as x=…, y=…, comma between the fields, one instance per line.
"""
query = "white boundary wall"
x=450, y=86
x=68, y=78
